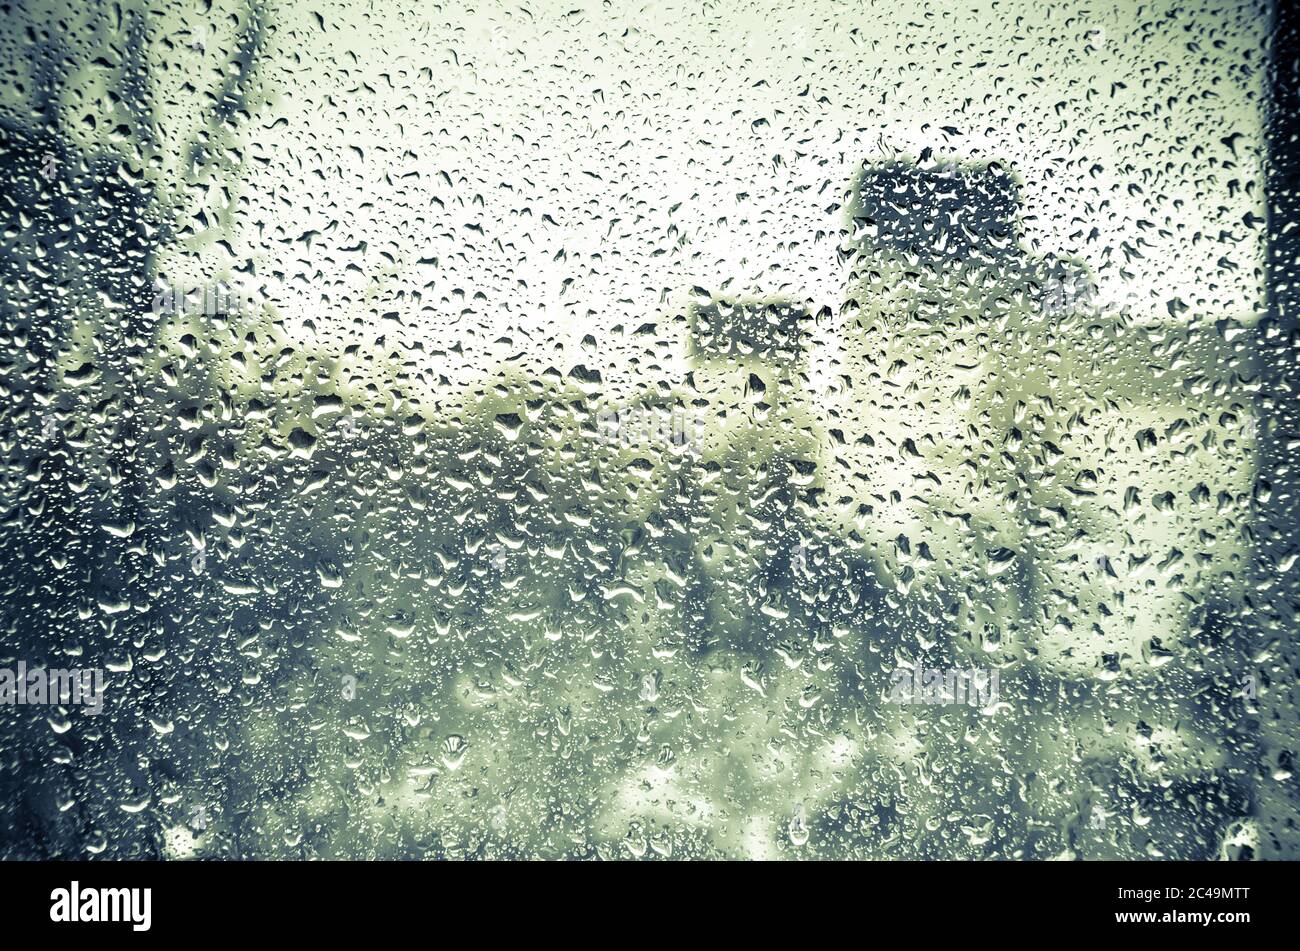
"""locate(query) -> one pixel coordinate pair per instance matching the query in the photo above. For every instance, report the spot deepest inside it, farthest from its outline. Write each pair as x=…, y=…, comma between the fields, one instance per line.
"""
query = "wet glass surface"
x=840, y=430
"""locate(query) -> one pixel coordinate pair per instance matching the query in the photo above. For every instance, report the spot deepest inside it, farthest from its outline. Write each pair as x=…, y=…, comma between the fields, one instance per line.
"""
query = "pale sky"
x=542, y=172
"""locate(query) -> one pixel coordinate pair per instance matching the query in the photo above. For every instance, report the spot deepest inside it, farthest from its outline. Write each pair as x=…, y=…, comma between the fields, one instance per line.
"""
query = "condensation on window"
x=646, y=431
